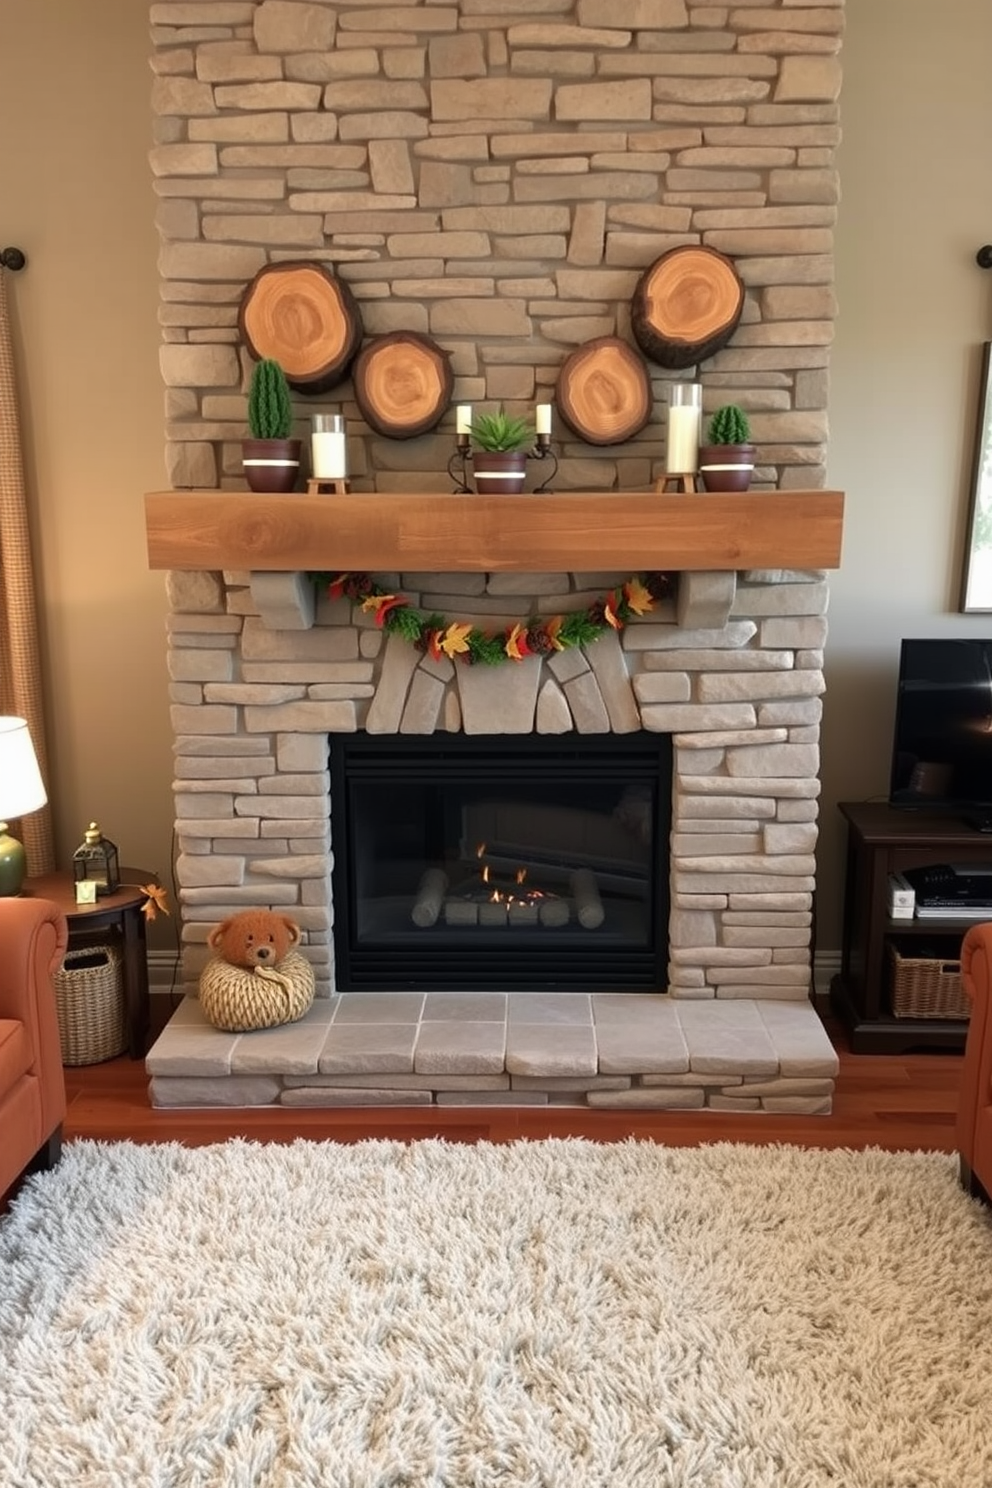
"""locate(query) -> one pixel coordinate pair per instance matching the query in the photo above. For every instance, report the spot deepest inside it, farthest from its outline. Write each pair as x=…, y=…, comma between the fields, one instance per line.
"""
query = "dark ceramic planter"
x=726, y=467
x=271, y=464
x=499, y=472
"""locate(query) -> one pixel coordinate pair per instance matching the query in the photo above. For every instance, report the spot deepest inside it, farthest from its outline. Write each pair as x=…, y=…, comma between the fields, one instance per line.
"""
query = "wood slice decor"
x=686, y=306
x=403, y=383
x=306, y=319
x=603, y=391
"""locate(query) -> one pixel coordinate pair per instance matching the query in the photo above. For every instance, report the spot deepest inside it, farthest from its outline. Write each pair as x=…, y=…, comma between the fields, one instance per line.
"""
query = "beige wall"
x=74, y=85
x=77, y=198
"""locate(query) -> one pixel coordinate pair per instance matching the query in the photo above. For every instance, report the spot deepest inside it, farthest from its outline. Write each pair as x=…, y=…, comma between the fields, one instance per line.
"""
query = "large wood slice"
x=603, y=391
x=686, y=306
x=306, y=319
x=403, y=383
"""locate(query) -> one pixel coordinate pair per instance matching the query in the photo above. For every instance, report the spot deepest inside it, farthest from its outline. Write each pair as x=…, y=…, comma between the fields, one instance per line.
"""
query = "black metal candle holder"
x=460, y=458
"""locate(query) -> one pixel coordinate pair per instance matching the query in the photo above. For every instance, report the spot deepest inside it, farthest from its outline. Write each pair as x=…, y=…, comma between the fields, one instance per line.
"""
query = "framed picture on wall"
x=976, y=588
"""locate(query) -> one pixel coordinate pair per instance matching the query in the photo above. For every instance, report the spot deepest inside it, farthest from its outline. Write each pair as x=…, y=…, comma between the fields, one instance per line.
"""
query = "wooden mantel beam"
x=574, y=531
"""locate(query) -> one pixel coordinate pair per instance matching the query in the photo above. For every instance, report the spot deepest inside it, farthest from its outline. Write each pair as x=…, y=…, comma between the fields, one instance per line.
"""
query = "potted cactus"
x=499, y=452
x=726, y=461
x=271, y=459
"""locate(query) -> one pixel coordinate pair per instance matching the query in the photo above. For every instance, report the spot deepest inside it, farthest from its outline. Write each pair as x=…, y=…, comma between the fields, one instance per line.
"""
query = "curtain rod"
x=12, y=258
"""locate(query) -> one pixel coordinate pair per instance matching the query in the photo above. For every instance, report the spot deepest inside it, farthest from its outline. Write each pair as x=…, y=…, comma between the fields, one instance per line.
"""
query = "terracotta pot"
x=726, y=467
x=499, y=472
x=271, y=464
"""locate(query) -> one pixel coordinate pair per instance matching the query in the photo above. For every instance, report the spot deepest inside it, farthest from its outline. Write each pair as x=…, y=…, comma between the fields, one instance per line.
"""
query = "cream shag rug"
x=554, y=1314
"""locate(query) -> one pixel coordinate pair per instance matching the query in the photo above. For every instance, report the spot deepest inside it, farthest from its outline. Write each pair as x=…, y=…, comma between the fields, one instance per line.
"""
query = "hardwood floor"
x=891, y=1101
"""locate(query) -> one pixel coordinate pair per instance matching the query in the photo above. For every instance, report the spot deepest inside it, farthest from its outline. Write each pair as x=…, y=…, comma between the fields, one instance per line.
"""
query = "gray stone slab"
x=326, y=1096
x=656, y=1047
x=476, y=1007
x=379, y=1007
x=401, y=1082
x=368, y=1048
x=189, y=1045
x=292, y=1048
x=727, y=1036
x=799, y=1038
x=548, y=1007
x=493, y=1098
x=550, y=1049
x=656, y=1097
x=449, y=1048
x=226, y=1090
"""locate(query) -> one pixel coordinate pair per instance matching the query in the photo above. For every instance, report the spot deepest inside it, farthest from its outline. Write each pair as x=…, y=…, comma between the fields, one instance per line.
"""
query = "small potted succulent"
x=271, y=459
x=499, y=452
x=726, y=461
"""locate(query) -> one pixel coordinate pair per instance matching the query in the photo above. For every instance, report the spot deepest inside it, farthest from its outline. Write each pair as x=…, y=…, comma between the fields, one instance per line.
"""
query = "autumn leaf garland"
x=538, y=635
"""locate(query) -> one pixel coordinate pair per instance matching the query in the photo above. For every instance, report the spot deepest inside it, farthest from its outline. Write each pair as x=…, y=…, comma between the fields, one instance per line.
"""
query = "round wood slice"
x=686, y=306
x=403, y=383
x=603, y=391
x=306, y=319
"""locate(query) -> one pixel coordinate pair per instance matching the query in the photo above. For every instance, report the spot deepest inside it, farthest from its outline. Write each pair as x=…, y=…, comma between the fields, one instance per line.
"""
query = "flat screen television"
x=942, y=740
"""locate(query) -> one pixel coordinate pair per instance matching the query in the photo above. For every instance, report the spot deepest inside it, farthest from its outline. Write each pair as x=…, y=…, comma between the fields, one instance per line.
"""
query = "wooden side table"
x=121, y=915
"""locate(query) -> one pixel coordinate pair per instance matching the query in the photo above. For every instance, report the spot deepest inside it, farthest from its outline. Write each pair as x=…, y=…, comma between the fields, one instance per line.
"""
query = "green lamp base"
x=13, y=864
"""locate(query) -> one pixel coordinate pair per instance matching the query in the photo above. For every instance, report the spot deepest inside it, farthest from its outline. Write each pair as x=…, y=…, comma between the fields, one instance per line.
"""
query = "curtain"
x=20, y=665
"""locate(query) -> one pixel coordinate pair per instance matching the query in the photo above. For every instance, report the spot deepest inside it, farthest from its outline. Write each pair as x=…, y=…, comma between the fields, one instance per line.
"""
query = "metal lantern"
x=95, y=859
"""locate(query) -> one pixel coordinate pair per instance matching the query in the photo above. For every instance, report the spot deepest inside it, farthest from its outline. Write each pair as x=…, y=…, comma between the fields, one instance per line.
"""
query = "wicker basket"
x=89, y=998
x=927, y=987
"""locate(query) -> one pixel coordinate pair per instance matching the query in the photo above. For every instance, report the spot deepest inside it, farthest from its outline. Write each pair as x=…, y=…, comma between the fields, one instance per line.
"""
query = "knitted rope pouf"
x=239, y=1000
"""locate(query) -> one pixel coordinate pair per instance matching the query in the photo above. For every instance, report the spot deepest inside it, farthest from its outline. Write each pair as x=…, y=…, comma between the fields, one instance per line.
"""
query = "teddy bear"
x=255, y=937
x=256, y=978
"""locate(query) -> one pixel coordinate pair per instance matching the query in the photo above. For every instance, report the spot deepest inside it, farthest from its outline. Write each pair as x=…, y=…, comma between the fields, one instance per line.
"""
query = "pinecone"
x=597, y=613
x=360, y=586
x=658, y=585
x=539, y=641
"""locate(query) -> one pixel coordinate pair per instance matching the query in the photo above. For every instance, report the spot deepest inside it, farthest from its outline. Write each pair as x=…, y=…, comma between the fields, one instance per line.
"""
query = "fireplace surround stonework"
x=498, y=178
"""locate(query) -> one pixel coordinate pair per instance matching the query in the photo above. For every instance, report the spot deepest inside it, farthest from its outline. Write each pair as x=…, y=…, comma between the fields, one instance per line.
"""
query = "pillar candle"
x=328, y=447
x=463, y=418
x=685, y=412
x=542, y=422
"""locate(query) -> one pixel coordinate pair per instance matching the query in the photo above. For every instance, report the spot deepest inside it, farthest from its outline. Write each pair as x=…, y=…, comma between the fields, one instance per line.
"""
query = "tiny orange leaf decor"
x=437, y=636
x=516, y=643
x=156, y=901
x=637, y=596
x=454, y=642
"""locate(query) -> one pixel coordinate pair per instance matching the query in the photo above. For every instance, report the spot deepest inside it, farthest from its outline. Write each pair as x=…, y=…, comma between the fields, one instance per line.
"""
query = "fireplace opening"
x=512, y=863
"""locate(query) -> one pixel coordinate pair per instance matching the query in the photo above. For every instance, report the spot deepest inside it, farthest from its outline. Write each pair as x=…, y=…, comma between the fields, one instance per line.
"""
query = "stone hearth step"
x=616, y=1050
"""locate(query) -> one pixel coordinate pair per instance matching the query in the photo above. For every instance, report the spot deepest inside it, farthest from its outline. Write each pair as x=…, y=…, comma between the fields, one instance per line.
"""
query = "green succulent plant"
x=501, y=431
x=729, y=425
x=270, y=413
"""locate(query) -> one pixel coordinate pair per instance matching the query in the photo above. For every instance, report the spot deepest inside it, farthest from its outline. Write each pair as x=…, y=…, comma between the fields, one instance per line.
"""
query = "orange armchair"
x=33, y=937
x=974, y=1128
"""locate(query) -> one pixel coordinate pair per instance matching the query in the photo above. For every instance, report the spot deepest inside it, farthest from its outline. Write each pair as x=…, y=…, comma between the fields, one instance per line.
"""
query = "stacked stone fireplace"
x=265, y=666
x=497, y=177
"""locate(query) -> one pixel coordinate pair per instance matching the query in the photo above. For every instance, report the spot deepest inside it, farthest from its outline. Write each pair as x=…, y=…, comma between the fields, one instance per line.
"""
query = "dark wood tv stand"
x=880, y=841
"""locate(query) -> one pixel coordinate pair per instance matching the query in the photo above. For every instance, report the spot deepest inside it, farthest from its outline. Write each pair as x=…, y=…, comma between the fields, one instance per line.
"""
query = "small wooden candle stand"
x=685, y=481
x=328, y=485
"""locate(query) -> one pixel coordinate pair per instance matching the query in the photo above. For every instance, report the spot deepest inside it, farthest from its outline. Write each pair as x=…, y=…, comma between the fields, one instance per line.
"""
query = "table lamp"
x=21, y=791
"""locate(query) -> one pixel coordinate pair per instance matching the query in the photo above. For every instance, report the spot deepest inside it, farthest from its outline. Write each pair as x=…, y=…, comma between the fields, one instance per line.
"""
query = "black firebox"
x=517, y=863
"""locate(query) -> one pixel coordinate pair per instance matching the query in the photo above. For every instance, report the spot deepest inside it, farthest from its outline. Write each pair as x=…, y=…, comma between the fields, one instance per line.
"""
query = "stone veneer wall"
x=732, y=668
x=497, y=175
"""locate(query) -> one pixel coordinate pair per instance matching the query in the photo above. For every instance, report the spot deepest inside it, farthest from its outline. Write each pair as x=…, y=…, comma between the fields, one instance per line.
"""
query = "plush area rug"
x=553, y=1314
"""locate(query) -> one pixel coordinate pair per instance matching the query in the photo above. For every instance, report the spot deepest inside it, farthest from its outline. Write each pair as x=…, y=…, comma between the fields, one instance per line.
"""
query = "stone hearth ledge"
x=612, y=1050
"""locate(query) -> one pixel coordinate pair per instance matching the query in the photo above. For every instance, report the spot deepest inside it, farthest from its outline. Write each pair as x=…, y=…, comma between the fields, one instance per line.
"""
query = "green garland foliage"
x=536, y=635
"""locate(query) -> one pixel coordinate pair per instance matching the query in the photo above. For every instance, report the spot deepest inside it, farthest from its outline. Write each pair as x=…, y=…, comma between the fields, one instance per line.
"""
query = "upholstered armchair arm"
x=33, y=939
x=976, y=1073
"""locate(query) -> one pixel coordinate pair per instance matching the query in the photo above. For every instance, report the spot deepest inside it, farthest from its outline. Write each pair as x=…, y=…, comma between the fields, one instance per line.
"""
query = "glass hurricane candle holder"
x=685, y=416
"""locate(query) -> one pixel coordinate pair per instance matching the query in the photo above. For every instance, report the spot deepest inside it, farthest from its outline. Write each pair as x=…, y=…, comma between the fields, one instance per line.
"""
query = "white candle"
x=542, y=422
x=463, y=418
x=685, y=414
x=328, y=447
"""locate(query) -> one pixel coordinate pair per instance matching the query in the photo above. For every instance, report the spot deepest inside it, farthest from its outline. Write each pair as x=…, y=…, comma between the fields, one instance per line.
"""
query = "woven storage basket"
x=927, y=987
x=89, y=999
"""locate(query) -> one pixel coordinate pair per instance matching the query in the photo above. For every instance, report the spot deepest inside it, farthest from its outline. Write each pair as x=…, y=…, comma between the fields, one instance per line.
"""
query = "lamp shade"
x=21, y=787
